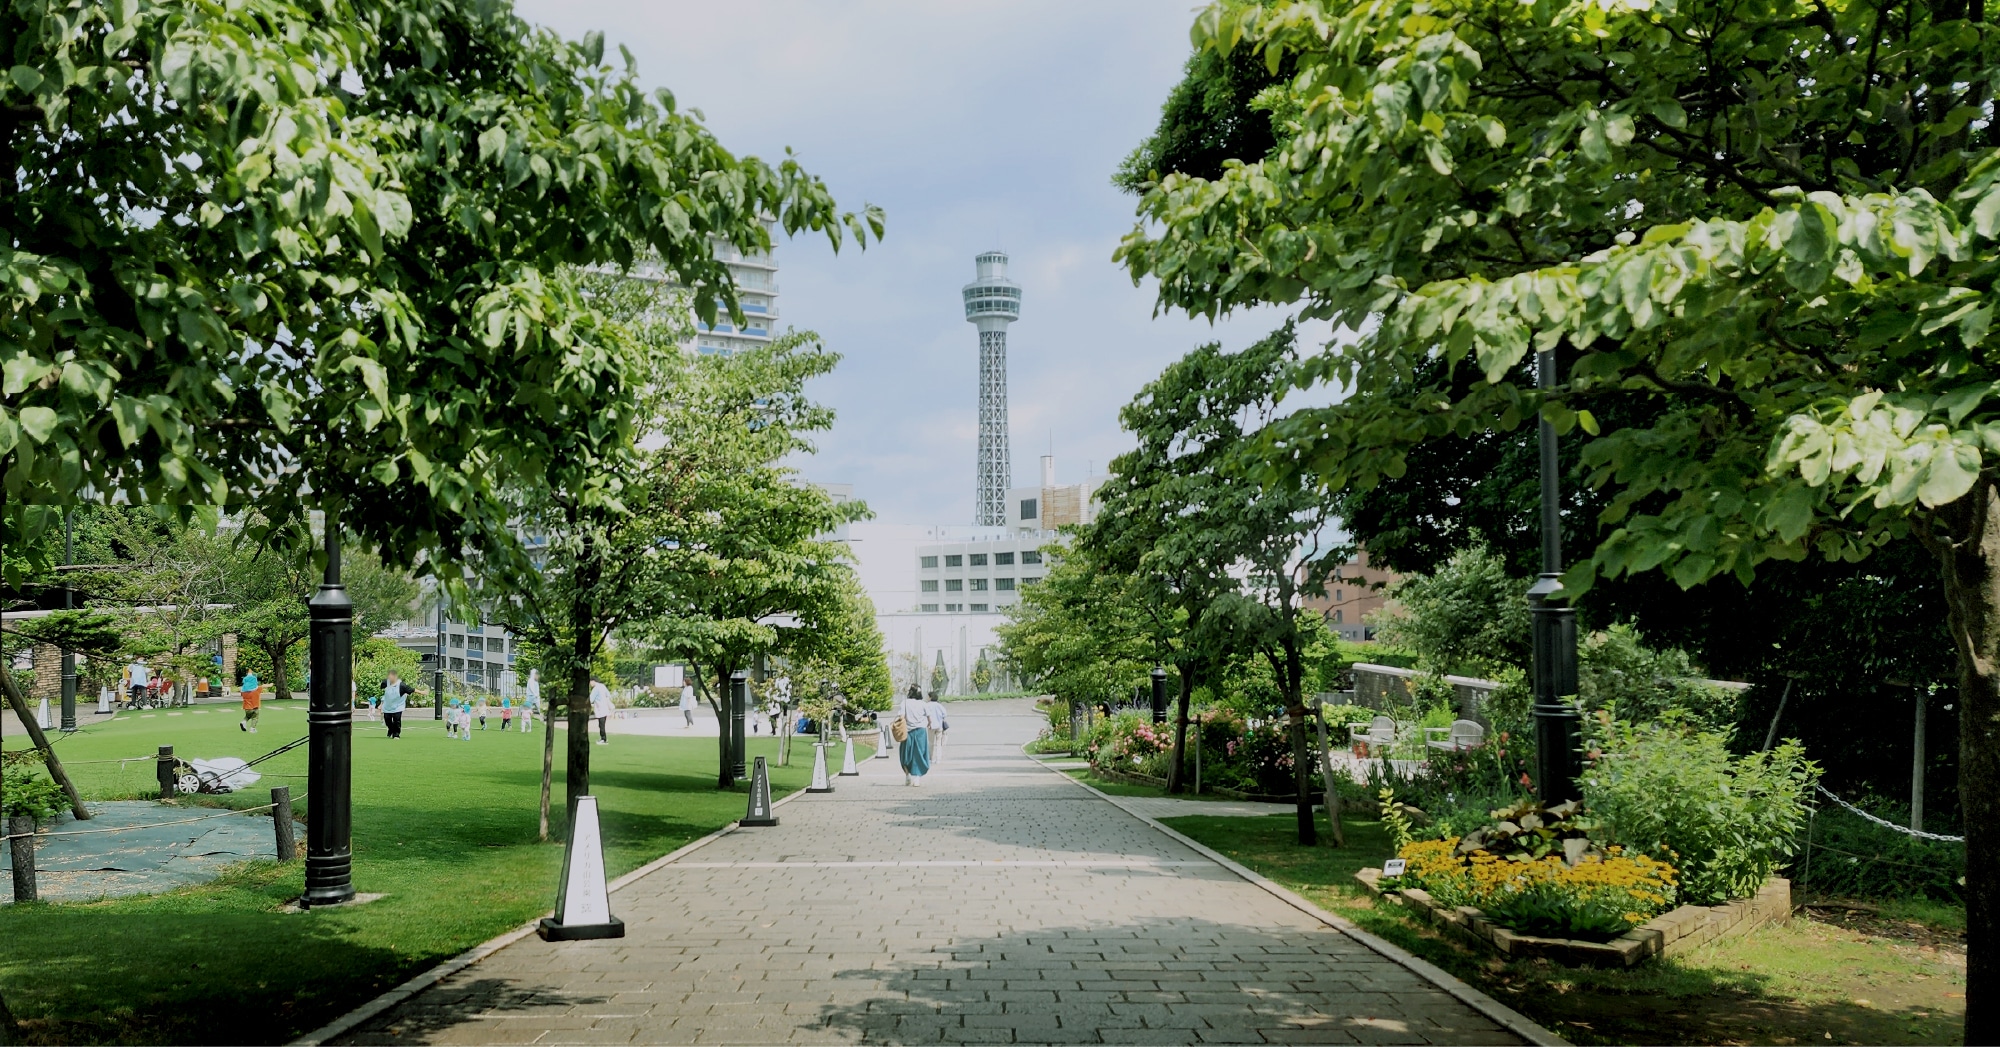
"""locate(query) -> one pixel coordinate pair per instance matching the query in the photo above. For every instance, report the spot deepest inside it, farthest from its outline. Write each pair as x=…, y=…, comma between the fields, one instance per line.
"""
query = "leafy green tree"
x=1077, y=633
x=1468, y=617
x=1772, y=225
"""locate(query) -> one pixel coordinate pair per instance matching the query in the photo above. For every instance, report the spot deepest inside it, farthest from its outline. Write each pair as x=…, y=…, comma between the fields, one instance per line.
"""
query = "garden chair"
x=1462, y=734
x=1379, y=731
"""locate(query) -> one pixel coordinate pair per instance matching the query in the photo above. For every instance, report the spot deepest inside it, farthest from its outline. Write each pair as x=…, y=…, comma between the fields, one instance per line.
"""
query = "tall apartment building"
x=756, y=277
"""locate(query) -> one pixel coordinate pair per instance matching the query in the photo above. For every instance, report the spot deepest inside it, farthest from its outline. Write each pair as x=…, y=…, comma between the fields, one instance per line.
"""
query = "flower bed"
x=1682, y=928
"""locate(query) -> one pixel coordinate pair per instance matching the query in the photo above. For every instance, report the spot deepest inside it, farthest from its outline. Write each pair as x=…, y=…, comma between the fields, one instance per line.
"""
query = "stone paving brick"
x=1043, y=915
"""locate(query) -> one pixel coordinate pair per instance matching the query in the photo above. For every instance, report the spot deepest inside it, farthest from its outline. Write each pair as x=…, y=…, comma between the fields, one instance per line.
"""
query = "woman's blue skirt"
x=916, y=752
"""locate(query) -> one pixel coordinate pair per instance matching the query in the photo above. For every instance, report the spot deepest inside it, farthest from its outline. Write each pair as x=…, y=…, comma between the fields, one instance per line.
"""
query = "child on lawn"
x=506, y=715
x=482, y=711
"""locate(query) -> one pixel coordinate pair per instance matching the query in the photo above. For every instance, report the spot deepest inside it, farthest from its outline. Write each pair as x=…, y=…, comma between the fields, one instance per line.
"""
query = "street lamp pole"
x=68, y=656
x=739, y=702
x=1159, y=695
x=1558, y=727
x=437, y=675
x=330, y=767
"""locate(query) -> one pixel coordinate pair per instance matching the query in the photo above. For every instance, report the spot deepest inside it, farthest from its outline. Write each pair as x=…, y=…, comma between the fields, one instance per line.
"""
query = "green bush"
x=32, y=793
x=1675, y=793
x=1617, y=672
x=374, y=659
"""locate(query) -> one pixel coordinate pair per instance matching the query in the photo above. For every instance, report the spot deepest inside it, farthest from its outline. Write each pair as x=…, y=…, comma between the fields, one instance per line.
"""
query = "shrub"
x=1849, y=857
x=32, y=793
x=1677, y=794
x=1616, y=671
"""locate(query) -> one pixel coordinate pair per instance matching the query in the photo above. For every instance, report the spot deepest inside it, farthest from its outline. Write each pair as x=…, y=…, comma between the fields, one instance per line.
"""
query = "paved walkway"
x=996, y=903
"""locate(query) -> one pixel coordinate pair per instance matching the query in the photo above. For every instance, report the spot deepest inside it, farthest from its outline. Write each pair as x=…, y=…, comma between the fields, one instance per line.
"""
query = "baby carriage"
x=224, y=774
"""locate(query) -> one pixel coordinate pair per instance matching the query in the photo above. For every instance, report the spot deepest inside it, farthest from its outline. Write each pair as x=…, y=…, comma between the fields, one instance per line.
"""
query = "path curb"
x=346, y=1023
x=1508, y=1018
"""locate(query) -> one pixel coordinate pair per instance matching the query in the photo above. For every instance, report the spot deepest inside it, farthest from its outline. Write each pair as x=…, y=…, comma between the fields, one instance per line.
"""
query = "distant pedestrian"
x=531, y=705
x=939, y=725
x=915, y=750
x=600, y=709
x=253, y=701
x=136, y=675
x=506, y=715
x=484, y=708
x=687, y=705
x=395, y=697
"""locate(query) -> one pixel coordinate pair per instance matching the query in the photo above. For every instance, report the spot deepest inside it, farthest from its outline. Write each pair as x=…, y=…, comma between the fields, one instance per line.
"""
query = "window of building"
x=929, y=608
x=1003, y=584
x=1028, y=508
x=954, y=608
x=979, y=607
x=458, y=665
x=979, y=585
x=1003, y=559
x=1336, y=617
x=1032, y=556
x=954, y=560
x=930, y=585
x=475, y=644
x=978, y=559
x=457, y=640
x=954, y=585
x=927, y=561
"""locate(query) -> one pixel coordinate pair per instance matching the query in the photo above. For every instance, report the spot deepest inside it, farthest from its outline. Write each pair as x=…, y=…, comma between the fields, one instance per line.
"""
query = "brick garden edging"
x=1681, y=929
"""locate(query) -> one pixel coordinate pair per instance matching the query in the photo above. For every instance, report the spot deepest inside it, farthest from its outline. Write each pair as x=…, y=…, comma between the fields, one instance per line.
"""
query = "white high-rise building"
x=991, y=303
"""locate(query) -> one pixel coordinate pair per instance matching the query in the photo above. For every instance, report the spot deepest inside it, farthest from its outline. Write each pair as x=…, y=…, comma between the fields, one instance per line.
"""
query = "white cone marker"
x=820, y=783
x=583, y=904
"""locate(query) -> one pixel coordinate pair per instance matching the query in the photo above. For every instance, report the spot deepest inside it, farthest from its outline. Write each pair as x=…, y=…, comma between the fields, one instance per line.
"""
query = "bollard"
x=166, y=772
x=281, y=821
x=760, y=812
x=22, y=828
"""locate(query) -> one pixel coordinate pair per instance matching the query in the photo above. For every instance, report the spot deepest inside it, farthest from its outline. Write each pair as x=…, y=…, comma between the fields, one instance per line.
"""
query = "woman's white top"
x=687, y=697
x=916, y=713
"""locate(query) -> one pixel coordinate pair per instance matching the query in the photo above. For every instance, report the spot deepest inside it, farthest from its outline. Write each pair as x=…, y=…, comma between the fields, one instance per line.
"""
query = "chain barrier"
x=147, y=825
x=1885, y=823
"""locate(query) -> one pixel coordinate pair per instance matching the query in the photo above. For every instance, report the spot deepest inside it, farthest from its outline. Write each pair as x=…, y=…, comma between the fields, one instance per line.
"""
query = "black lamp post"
x=1558, y=730
x=330, y=769
x=437, y=673
x=1159, y=695
x=68, y=656
x=739, y=705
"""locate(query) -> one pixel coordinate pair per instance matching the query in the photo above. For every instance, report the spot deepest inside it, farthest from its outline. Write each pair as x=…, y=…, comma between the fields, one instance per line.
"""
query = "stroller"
x=224, y=774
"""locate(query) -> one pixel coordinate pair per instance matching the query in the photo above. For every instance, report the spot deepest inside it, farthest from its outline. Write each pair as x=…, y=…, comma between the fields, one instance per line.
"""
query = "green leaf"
x=27, y=78
x=38, y=423
x=1952, y=472
x=1587, y=421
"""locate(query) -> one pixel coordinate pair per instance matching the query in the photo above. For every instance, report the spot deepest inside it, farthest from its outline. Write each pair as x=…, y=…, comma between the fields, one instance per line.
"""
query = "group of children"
x=459, y=714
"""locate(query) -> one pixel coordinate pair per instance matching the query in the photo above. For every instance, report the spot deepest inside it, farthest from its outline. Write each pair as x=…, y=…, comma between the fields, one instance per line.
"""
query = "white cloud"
x=973, y=127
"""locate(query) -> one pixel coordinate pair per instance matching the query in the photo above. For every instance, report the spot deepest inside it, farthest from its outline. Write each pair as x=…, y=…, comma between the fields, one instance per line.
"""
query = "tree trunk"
x=576, y=779
x=548, y=764
x=41, y=742
x=1176, y=771
x=1326, y=775
x=280, y=687
x=1294, y=669
x=1965, y=535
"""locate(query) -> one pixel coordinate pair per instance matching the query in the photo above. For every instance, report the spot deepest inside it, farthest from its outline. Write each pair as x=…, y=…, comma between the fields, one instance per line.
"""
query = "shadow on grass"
x=1740, y=990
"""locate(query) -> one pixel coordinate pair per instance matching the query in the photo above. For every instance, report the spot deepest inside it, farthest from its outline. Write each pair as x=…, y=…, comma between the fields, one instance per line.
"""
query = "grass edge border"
x=1507, y=1017
x=429, y=977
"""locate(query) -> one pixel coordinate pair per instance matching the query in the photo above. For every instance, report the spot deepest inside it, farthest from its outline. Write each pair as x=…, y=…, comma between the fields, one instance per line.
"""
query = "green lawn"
x=444, y=829
x=1888, y=974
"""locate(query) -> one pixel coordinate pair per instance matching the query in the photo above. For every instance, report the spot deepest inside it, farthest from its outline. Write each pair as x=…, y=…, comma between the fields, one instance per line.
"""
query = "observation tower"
x=991, y=303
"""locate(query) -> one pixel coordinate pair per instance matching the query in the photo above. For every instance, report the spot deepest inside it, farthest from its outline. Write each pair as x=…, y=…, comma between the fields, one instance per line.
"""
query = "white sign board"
x=584, y=898
x=1393, y=867
x=668, y=676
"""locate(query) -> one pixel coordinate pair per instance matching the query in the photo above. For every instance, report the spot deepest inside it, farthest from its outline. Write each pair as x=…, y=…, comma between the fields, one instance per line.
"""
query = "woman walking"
x=915, y=750
x=394, y=698
x=532, y=702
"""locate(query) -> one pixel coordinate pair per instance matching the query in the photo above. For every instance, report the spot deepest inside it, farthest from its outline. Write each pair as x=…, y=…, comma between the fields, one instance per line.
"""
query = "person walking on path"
x=253, y=700
x=600, y=709
x=939, y=726
x=687, y=705
x=531, y=702
x=915, y=750
x=394, y=698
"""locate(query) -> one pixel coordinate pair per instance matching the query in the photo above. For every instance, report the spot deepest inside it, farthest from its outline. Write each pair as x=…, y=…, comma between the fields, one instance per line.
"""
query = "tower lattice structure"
x=992, y=301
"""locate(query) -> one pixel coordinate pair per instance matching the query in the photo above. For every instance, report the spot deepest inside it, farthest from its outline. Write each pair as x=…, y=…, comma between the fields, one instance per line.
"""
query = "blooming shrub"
x=1124, y=742
x=1601, y=896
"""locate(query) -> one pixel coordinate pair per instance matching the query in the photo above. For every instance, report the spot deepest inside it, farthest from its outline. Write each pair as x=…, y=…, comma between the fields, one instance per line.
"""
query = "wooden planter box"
x=1670, y=932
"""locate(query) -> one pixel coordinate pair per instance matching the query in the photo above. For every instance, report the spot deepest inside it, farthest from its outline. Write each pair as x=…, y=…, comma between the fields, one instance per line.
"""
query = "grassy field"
x=444, y=829
x=1837, y=973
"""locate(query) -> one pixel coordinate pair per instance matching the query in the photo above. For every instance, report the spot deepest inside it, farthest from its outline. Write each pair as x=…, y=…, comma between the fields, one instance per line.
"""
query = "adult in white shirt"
x=532, y=700
x=136, y=678
x=687, y=705
x=939, y=726
x=915, y=750
x=600, y=708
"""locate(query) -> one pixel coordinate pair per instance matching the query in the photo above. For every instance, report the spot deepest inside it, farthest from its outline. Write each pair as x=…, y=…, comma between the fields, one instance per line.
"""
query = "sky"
x=973, y=127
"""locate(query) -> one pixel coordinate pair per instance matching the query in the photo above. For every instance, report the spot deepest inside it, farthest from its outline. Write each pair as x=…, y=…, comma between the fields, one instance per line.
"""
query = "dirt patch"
x=1868, y=920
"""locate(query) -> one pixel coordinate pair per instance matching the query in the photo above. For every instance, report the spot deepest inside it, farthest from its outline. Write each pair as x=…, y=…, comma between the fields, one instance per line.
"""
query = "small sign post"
x=760, y=813
x=583, y=904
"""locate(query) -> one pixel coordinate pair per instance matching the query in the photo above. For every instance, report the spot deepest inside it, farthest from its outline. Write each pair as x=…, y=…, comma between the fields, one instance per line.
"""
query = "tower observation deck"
x=991, y=303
